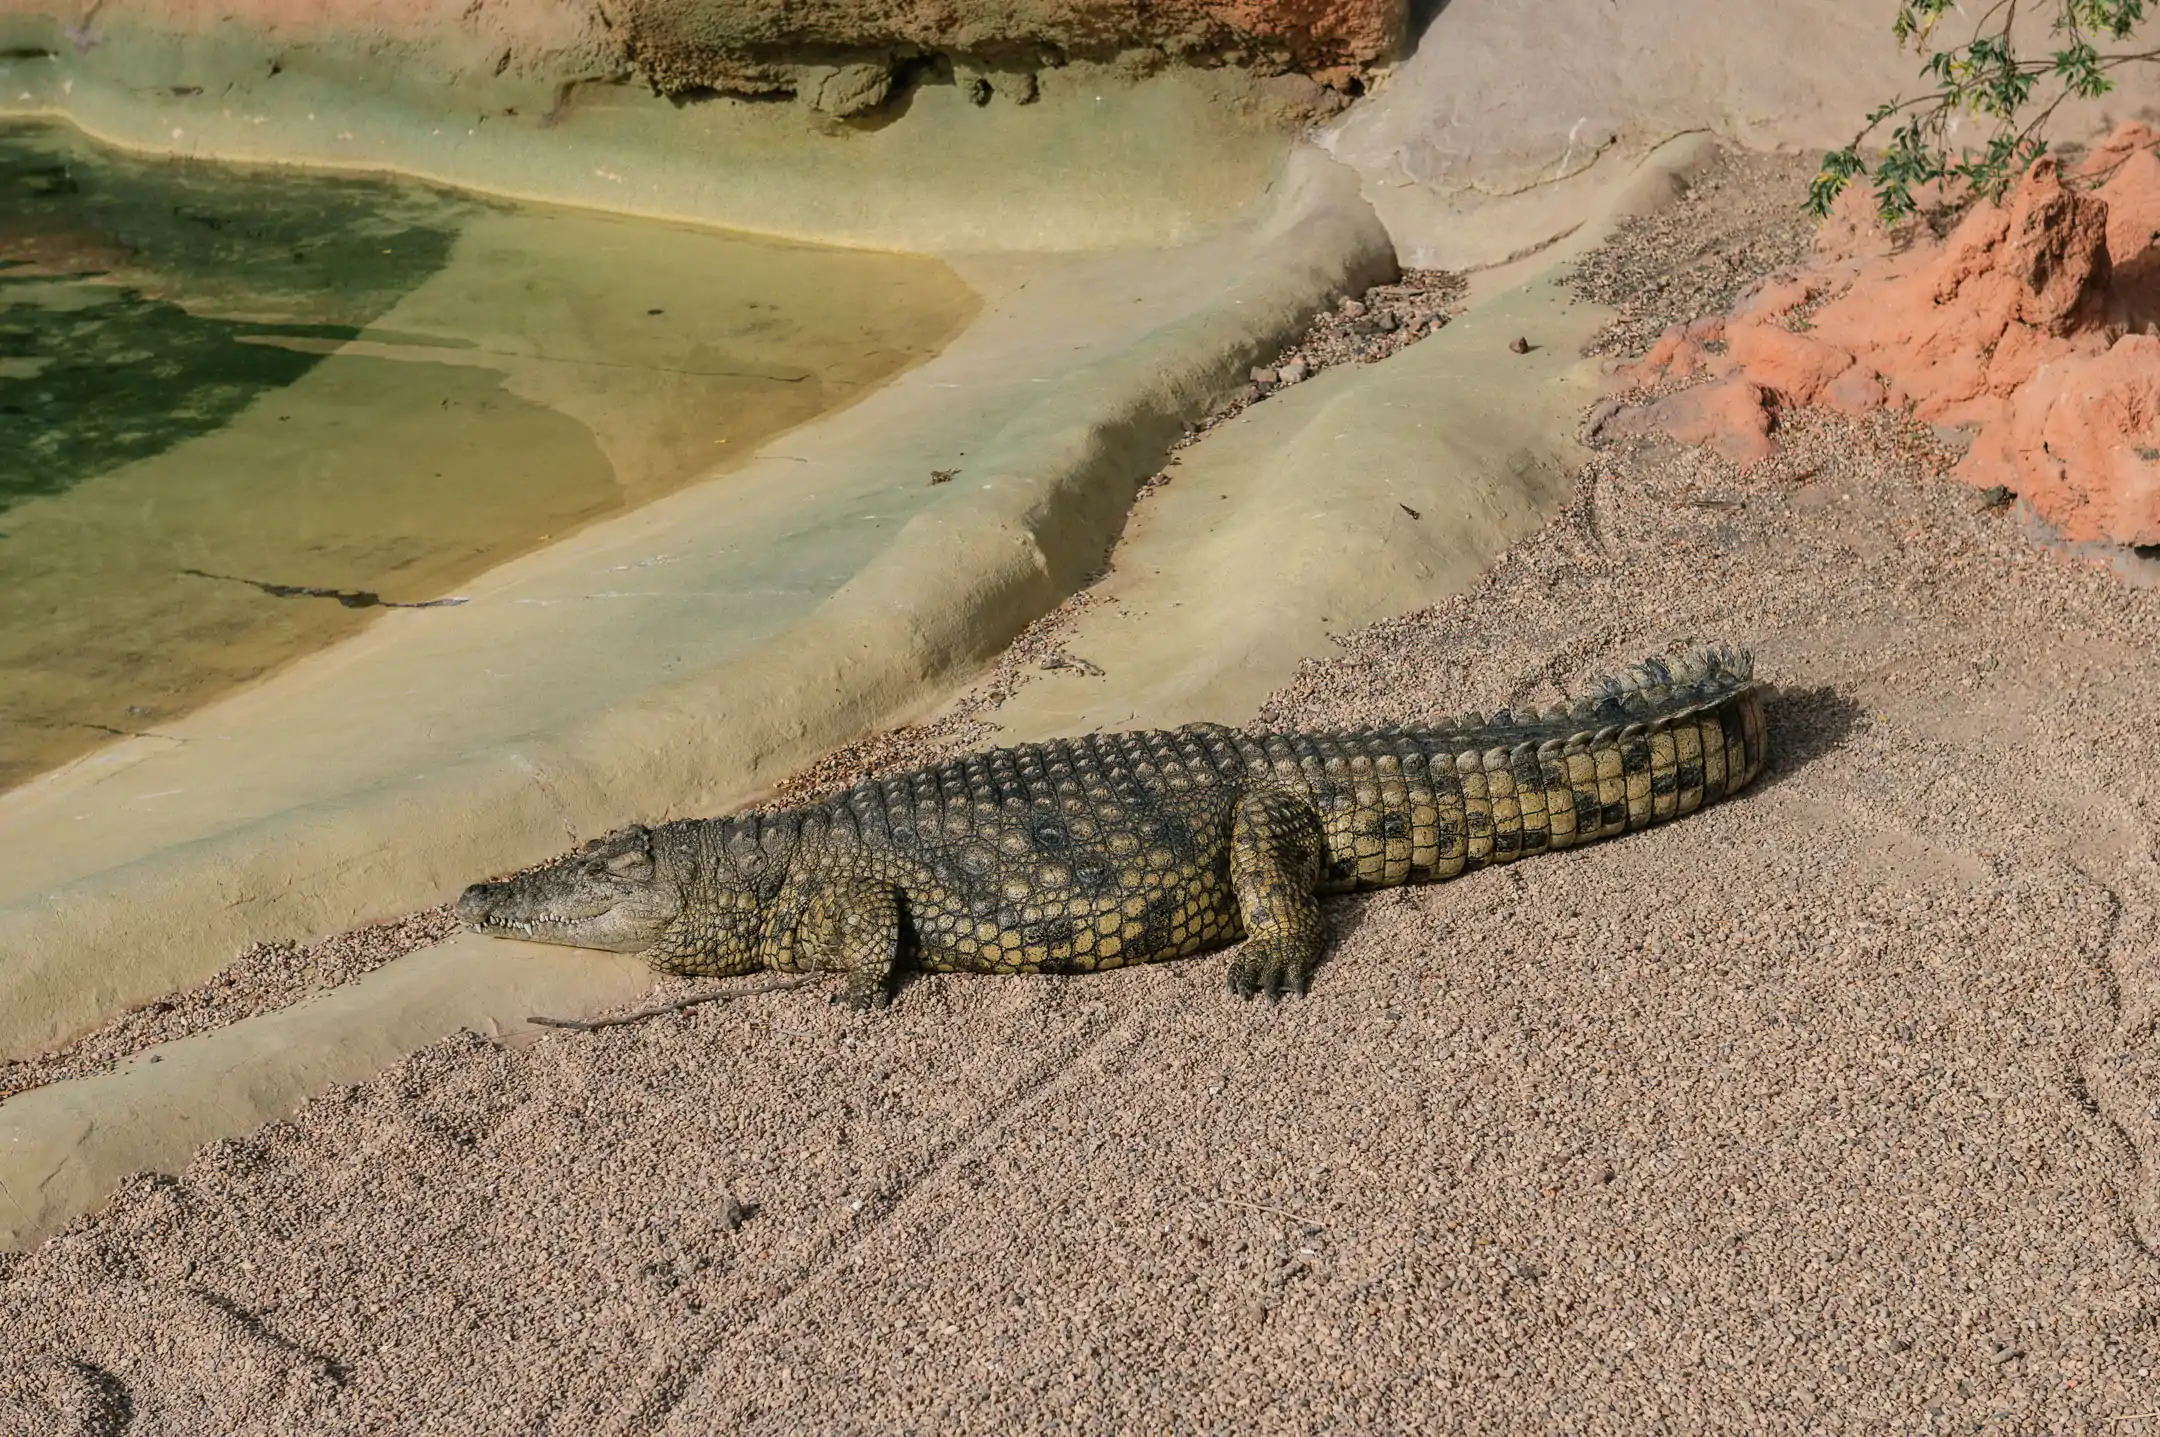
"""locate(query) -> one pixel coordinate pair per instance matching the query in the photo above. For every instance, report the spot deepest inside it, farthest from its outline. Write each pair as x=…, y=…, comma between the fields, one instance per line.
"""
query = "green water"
x=117, y=276
x=237, y=408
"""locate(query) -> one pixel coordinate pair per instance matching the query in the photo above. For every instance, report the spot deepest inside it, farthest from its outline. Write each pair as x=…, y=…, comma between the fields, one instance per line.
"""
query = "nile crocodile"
x=1090, y=853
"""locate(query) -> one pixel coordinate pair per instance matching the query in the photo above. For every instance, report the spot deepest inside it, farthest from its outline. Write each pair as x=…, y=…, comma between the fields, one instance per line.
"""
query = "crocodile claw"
x=862, y=997
x=1269, y=975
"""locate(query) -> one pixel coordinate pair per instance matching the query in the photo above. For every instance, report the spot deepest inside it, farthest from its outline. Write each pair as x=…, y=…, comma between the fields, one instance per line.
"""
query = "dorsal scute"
x=1657, y=685
x=1645, y=692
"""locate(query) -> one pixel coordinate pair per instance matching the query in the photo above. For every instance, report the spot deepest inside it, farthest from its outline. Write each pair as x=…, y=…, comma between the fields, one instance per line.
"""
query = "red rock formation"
x=2082, y=444
x=1731, y=416
x=2030, y=322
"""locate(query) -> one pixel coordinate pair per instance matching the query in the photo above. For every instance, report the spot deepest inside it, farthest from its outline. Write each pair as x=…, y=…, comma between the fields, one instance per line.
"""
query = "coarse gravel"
x=1832, y=1108
x=1742, y=218
x=1360, y=329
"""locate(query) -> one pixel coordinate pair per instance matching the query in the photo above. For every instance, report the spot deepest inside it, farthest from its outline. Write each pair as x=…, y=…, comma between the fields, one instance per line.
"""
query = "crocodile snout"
x=477, y=902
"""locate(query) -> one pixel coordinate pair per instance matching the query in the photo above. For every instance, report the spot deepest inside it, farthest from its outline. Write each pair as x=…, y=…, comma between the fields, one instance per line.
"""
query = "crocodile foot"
x=1263, y=969
x=863, y=994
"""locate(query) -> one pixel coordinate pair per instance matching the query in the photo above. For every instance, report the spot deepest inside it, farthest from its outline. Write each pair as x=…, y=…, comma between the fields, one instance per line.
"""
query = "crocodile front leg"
x=1276, y=849
x=852, y=926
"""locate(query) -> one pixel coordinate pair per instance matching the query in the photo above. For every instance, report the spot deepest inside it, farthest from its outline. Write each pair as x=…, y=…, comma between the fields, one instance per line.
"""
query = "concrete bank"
x=671, y=660
x=1215, y=603
x=1366, y=492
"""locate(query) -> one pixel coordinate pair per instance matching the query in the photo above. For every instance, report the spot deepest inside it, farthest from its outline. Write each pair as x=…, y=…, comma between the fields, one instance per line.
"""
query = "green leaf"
x=1838, y=168
x=1987, y=78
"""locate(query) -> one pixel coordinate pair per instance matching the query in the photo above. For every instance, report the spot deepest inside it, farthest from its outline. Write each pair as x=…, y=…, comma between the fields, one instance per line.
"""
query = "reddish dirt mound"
x=2031, y=323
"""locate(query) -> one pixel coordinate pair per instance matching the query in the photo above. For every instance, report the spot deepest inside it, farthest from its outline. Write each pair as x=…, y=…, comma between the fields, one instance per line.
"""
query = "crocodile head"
x=614, y=893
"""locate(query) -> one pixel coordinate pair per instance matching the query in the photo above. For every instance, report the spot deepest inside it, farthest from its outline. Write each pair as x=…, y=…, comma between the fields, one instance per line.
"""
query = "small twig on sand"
x=770, y=985
x=1278, y=1211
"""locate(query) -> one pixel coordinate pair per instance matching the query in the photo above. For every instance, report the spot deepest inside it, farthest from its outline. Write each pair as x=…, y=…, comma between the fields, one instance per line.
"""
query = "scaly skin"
x=1092, y=853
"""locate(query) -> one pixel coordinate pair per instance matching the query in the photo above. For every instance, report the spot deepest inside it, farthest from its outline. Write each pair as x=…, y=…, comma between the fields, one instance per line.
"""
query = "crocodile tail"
x=1663, y=688
x=1666, y=688
x=1690, y=687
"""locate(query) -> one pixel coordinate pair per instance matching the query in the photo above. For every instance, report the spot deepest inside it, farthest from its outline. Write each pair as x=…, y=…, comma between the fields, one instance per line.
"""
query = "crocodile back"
x=1065, y=856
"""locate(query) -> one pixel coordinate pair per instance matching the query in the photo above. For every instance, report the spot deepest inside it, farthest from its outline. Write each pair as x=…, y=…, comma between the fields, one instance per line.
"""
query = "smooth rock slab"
x=64, y=1147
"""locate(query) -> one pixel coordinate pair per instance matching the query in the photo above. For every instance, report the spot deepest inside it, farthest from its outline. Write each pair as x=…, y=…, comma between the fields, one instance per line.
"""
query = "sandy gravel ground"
x=1836, y=1108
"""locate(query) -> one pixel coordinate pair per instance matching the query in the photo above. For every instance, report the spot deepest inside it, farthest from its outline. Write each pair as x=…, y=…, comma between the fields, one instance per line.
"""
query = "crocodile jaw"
x=608, y=895
x=500, y=910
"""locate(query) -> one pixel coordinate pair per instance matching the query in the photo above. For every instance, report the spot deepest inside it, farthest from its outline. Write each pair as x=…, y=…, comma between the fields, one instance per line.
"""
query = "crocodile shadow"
x=97, y=1398
x=1804, y=725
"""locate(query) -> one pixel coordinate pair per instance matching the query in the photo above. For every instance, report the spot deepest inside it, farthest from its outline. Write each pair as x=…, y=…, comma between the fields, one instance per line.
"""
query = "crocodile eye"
x=637, y=863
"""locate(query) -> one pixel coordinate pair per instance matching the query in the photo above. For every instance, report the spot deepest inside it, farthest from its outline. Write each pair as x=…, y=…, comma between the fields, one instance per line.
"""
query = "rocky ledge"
x=847, y=60
x=851, y=59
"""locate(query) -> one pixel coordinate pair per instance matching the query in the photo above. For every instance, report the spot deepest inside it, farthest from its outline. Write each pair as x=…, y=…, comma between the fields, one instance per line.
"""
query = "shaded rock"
x=1301, y=98
x=2057, y=249
x=848, y=90
x=2131, y=187
x=2128, y=175
x=690, y=45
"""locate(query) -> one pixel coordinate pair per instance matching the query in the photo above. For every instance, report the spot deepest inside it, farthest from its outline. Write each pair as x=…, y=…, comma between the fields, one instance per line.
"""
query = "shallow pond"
x=242, y=410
